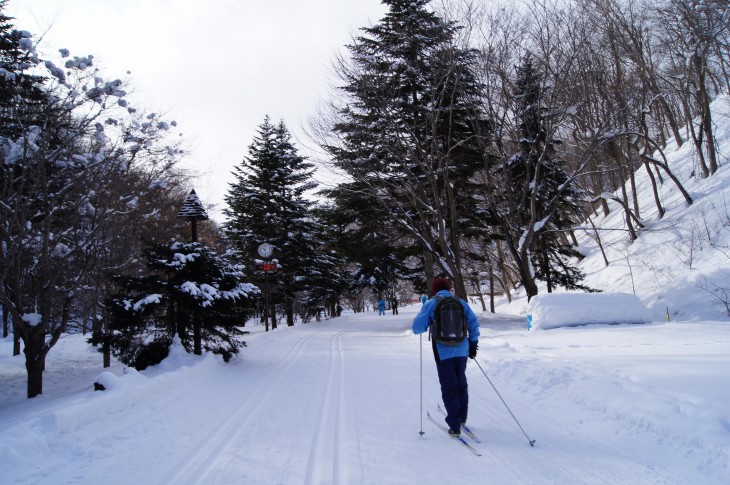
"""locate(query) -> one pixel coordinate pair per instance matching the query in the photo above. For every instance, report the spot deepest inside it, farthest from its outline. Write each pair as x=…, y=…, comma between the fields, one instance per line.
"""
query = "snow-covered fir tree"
x=188, y=288
x=409, y=129
x=266, y=204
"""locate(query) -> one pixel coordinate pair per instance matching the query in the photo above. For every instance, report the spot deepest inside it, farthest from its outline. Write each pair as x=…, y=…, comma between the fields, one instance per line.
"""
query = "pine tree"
x=375, y=248
x=182, y=279
x=266, y=204
x=408, y=133
x=539, y=202
x=21, y=93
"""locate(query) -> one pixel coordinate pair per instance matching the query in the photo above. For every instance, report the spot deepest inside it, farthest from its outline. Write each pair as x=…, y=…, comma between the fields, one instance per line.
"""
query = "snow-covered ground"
x=339, y=401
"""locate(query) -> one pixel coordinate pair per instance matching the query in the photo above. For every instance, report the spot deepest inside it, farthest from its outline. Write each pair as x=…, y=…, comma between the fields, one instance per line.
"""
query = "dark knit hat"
x=440, y=284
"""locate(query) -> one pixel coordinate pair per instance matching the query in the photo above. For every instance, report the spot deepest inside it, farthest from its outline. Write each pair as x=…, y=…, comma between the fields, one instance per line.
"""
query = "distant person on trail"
x=424, y=299
x=450, y=355
x=381, y=307
x=394, y=306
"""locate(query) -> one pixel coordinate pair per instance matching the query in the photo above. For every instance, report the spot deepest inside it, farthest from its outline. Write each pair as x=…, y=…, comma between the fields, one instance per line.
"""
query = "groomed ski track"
x=337, y=402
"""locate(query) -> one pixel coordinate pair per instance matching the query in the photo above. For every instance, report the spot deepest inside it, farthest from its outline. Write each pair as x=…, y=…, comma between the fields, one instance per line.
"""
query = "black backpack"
x=449, y=321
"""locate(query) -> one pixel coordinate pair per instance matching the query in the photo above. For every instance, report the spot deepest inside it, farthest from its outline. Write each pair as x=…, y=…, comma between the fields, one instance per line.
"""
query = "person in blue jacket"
x=381, y=307
x=451, y=360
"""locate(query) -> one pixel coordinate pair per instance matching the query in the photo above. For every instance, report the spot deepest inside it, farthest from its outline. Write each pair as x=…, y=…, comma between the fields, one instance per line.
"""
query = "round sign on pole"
x=265, y=250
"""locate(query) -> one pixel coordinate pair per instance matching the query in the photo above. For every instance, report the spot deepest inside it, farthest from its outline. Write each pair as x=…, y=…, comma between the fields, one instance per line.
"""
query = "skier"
x=451, y=359
x=394, y=306
x=381, y=307
x=424, y=299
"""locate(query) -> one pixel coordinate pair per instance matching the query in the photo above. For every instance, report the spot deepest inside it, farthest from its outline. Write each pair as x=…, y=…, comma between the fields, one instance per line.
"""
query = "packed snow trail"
x=337, y=402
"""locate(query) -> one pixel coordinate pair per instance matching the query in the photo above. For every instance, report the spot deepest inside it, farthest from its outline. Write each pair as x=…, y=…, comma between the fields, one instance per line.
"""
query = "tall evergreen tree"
x=408, y=132
x=538, y=202
x=266, y=204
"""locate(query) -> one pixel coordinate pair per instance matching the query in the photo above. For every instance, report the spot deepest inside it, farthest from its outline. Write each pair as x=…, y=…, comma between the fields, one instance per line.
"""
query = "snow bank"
x=571, y=309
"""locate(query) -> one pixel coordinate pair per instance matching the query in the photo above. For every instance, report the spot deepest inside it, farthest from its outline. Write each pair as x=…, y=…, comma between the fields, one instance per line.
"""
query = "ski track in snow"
x=218, y=457
x=324, y=460
x=197, y=467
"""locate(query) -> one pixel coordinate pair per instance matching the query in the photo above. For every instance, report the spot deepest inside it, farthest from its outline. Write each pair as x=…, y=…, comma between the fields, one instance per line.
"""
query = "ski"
x=460, y=439
x=464, y=427
x=470, y=433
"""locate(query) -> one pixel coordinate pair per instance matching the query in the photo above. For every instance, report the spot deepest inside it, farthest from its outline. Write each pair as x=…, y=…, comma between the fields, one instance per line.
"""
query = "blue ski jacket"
x=423, y=320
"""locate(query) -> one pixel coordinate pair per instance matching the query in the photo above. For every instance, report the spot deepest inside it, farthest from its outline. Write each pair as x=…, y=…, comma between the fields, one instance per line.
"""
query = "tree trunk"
x=16, y=341
x=107, y=349
x=197, y=332
x=506, y=280
x=528, y=281
x=289, y=312
x=598, y=240
x=606, y=209
x=491, y=288
x=5, y=322
x=634, y=192
x=272, y=314
x=522, y=260
x=704, y=100
x=697, y=140
x=657, y=163
x=35, y=378
x=106, y=345
x=658, y=175
x=176, y=313
x=573, y=239
x=428, y=269
x=655, y=190
x=35, y=358
x=459, y=286
x=544, y=262
x=627, y=211
x=672, y=122
x=479, y=292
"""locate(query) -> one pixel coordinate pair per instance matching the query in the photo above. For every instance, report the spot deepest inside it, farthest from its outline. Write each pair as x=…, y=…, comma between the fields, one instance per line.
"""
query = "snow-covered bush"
x=190, y=292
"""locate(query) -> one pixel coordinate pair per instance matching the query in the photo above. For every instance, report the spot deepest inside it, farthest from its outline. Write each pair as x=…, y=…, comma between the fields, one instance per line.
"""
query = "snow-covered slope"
x=680, y=264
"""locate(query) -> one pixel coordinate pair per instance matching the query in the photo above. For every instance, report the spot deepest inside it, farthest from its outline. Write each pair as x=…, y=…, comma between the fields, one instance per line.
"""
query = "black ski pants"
x=454, y=390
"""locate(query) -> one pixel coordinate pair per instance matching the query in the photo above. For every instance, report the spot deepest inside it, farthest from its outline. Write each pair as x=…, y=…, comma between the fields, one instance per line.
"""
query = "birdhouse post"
x=193, y=211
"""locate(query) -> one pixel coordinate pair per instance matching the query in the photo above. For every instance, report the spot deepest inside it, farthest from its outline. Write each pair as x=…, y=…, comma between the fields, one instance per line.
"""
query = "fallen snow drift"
x=556, y=310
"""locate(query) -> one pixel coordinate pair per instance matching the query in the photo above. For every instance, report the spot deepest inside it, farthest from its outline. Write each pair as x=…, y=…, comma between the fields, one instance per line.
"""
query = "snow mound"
x=556, y=310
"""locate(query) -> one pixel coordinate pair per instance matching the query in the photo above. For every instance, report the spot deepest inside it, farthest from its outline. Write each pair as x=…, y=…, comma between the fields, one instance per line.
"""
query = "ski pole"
x=421, y=351
x=532, y=442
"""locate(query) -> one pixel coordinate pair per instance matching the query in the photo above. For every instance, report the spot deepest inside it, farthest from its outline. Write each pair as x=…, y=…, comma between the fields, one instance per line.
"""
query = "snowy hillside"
x=680, y=263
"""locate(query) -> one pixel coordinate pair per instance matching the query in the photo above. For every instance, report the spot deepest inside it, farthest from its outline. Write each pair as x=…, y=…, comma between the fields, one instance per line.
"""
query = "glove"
x=473, y=347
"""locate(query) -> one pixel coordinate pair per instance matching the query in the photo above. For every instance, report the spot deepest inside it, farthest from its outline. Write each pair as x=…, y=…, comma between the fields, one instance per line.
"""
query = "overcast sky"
x=217, y=67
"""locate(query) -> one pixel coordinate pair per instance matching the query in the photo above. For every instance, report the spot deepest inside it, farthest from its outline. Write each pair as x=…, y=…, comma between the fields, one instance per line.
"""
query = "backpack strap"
x=439, y=299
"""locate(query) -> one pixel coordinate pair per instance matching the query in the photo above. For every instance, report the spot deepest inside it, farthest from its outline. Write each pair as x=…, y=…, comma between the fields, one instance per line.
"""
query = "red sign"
x=266, y=266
